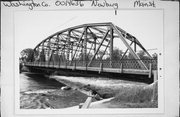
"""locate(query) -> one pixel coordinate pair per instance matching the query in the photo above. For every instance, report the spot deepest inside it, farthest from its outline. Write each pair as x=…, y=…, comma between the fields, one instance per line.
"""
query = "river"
x=33, y=82
x=38, y=91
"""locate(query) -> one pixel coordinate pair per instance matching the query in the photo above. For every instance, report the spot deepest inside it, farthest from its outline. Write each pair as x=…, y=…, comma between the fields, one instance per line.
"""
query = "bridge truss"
x=90, y=45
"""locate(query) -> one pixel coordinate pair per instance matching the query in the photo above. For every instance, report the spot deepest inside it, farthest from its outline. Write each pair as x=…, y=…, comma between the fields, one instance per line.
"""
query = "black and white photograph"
x=94, y=58
x=88, y=59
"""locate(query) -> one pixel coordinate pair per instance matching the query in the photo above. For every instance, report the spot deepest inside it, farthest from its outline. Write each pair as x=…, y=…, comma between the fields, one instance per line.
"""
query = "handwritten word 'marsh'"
x=97, y=3
x=145, y=3
x=27, y=3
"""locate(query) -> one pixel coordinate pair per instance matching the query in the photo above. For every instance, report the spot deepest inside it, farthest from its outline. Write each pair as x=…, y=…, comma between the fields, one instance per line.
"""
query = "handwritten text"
x=144, y=3
x=31, y=4
x=69, y=3
x=97, y=3
x=27, y=3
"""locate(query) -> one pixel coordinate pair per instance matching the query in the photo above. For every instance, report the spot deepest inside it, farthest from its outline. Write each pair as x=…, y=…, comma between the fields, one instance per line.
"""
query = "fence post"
x=150, y=70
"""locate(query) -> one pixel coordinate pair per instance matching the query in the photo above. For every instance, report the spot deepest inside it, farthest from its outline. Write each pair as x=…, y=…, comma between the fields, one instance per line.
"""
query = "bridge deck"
x=96, y=69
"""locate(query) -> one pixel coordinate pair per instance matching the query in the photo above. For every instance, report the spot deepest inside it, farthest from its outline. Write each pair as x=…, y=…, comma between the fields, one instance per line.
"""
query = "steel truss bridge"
x=90, y=47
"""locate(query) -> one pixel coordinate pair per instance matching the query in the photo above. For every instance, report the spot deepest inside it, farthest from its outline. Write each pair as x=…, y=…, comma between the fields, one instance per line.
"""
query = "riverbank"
x=123, y=94
x=115, y=93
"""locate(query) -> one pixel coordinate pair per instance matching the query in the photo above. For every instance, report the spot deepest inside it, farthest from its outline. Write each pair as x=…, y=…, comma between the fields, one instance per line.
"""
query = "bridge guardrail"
x=125, y=64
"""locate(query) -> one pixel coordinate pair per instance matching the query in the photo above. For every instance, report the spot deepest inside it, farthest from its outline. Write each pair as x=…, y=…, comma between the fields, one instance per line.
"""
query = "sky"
x=31, y=27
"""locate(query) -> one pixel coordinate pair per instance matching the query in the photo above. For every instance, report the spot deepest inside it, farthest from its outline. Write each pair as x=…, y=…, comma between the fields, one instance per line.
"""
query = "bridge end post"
x=155, y=75
x=155, y=85
x=111, y=47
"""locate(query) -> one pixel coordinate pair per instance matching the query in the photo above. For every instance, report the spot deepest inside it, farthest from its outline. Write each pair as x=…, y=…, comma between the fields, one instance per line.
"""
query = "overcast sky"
x=31, y=27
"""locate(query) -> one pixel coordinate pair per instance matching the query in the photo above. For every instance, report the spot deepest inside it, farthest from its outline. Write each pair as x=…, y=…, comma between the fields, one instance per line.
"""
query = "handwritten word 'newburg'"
x=97, y=3
x=94, y=3
x=31, y=4
x=27, y=3
x=144, y=3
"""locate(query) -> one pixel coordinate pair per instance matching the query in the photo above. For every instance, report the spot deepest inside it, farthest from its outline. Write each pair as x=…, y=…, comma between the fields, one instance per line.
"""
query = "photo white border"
x=170, y=58
x=123, y=111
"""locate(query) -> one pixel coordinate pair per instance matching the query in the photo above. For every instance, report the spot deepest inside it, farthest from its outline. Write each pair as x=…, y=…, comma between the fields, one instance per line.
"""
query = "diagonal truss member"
x=93, y=34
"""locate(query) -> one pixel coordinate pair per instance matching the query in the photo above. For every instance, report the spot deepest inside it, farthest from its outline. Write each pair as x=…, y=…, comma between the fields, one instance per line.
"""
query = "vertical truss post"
x=72, y=50
x=64, y=55
x=48, y=59
x=121, y=67
x=134, y=44
x=111, y=47
x=78, y=44
x=68, y=45
x=104, y=37
x=38, y=57
x=94, y=45
x=51, y=51
x=89, y=51
x=43, y=46
x=59, y=62
x=42, y=55
x=74, y=65
x=52, y=57
x=95, y=38
x=57, y=47
x=85, y=47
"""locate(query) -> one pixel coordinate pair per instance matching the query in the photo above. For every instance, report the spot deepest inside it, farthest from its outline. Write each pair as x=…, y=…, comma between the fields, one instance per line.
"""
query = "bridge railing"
x=125, y=64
